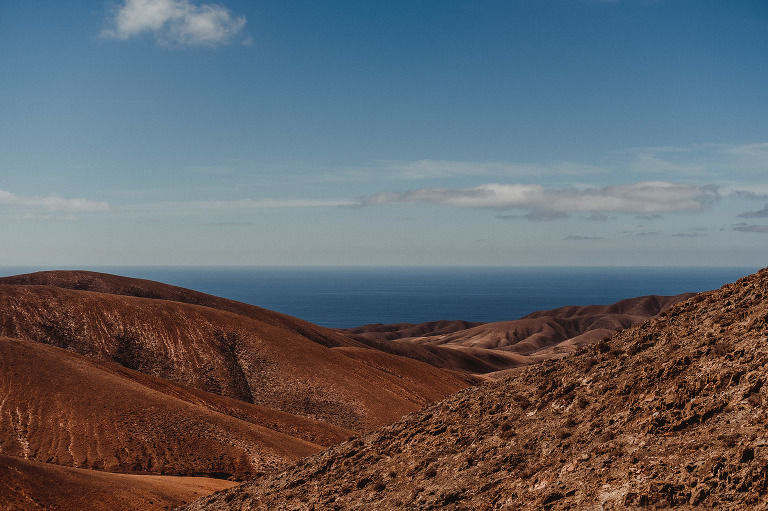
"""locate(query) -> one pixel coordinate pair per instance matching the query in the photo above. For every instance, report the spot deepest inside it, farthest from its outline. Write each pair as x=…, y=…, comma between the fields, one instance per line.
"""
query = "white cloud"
x=175, y=22
x=647, y=197
x=52, y=203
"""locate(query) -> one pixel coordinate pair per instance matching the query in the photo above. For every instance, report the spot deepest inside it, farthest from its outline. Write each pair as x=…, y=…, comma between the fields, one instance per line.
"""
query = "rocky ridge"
x=670, y=413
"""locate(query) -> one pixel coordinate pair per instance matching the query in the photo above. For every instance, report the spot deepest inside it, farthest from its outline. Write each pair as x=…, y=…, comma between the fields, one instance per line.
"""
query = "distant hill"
x=494, y=348
x=669, y=413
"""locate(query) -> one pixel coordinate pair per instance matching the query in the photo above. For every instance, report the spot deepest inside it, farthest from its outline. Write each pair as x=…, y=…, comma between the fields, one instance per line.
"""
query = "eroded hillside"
x=228, y=353
x=102, y=374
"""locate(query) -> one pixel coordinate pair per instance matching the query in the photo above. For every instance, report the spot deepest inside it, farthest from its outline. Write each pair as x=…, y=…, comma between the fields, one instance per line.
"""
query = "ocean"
x=343, y=297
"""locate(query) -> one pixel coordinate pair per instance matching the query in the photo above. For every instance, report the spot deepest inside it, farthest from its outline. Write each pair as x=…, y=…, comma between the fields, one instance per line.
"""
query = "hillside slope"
x=141, y=288
x=668, y=413
x=33, y=486
x=63, y=408
x=226, y=353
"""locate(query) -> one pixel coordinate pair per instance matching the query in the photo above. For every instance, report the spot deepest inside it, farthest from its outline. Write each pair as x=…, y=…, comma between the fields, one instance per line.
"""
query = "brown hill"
x=260, y=361
x=63, y=408
x=668, y=413
x=125, y=375
x=141, y=288
x=486, y=348
x=33, y=486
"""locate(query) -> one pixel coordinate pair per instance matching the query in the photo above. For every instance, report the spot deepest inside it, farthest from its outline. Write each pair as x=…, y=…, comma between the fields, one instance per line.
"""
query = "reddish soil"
x=104, y=376
x=63, y=408
x=33, y=486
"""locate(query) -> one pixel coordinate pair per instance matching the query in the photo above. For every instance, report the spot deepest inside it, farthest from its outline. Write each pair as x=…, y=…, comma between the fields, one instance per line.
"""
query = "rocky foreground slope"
x=673, y=412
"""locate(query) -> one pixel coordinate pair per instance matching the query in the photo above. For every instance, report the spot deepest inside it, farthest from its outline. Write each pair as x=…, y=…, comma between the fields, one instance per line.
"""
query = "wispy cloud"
x=583, y=238
x=646, y=198
x=706, y=160
x=175, y=22
x=244, y=204
x=51, y=203
x=762, y=229
x=689, y=235
x=753, y=157
x=740, y=191
x=537, y=216
x=762, y=213
x=641, y=233
x=426, y=169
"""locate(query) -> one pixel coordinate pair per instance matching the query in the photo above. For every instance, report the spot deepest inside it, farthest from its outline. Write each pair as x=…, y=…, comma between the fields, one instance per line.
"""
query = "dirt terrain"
x=63, y=408
x=669, y=413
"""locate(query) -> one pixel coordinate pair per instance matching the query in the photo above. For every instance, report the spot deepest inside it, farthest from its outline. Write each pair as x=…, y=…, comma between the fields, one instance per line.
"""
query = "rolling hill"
x=113, y=391
x=493, y=349
x=251, y=354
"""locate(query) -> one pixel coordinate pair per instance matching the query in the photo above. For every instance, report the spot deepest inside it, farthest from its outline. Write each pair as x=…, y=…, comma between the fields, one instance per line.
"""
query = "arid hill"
x=142, y=288
x=110, y=374
x=63, y=408
x=268, y=362
x=33, y=486
x=492, y=348
x=670, y=413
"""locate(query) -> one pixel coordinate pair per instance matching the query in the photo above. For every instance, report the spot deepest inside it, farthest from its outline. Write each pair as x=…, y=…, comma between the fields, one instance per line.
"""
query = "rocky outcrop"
x=670, y=413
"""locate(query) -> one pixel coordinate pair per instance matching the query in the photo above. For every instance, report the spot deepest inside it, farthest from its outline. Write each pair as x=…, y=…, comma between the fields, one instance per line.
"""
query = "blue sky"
x=517, y=132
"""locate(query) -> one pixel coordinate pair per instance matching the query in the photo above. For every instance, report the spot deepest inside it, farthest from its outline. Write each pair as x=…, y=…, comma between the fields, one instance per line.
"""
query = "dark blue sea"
x=352, y=296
